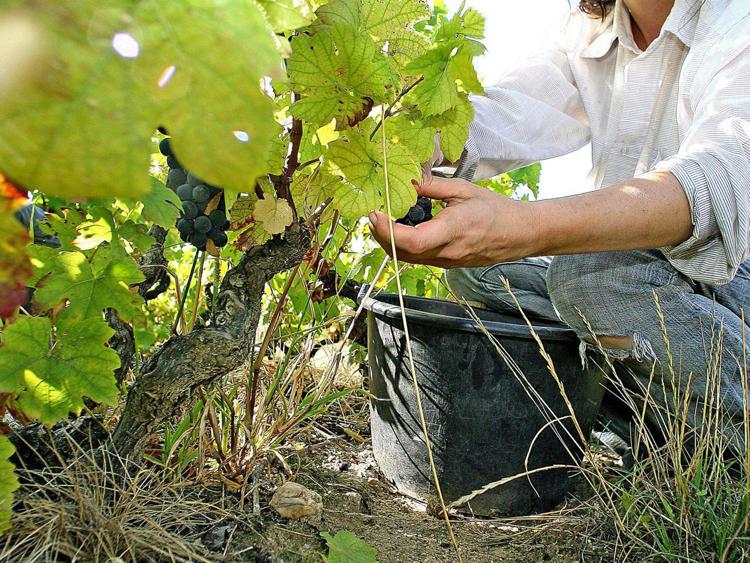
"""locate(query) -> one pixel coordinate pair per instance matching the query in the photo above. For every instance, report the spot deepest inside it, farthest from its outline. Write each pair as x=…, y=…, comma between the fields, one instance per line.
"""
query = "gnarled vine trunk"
x=172, y=374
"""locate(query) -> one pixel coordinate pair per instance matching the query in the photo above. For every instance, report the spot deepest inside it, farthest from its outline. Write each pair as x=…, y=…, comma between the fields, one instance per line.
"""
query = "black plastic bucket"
x=480, y=417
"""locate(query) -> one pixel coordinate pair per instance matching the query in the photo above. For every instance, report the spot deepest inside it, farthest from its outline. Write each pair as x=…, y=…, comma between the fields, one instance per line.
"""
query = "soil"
x=357, y=498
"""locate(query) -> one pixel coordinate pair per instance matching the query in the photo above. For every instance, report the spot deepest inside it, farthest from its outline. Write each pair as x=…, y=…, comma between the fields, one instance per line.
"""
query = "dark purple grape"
x=220, y=240
x=193, y=180
x=176, y=178
x=190, y=209
x=416, y=214
x=218, y=218
x=201, y=193
x=185, y=225
x=172, y=162
x=165, y=148
x=202, y=224
x=185, y=192
x=199, y=240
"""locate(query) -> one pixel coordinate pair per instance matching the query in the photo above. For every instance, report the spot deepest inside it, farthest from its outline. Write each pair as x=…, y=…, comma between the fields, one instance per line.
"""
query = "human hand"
x=477, y=228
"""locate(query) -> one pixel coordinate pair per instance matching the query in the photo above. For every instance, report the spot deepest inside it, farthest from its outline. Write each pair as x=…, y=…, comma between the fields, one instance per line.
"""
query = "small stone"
x=294, y=502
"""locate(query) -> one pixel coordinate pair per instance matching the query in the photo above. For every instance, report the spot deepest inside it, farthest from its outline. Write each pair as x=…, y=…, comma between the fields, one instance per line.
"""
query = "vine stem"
x=198, y=293
x=185, y=293
x=409, y=353
x=389, y=112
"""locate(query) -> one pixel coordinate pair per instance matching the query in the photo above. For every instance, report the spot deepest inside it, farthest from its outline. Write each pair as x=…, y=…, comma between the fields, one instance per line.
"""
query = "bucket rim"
x=497, y=328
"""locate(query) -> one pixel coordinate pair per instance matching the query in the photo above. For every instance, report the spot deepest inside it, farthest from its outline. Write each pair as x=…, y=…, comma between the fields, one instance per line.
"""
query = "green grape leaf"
x=285, y=15
x=443, y=69
x=469, y=23
x=161, y=205
x=220, y=51
x=454, y=129
x=340, y=74
x=91, y=286
x=104, y=76
x=309, y=191
x=274, y=214
x=528, y=176
x=315, y=141
x=52, y=372
x=136, y=234
x=388, y=22
x=8, y=483
x=346, y=547
x=78, y=111
x=417, y=134
x=361, y=163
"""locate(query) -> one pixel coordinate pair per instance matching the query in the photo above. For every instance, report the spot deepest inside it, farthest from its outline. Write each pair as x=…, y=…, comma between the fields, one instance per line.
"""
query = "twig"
x=198, y=292
x=185, y=293
x=389, y=112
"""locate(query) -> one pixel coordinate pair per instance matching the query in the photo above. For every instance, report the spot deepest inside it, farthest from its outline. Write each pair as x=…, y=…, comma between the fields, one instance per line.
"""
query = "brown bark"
x=170, y=377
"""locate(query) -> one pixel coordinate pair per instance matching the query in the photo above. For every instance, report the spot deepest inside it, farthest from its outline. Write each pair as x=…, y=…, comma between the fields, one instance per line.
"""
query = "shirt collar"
x=681, y=22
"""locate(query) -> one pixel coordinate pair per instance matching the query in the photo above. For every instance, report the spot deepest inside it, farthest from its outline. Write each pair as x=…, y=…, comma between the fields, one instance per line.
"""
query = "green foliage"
x=511, y=183
x=160, y=204
x=346, y=547
x=8, y=483
x=360, y=162
x=286, y=15
x=51, y=368
x=339, y=74
x=86, y=109
x=386, y=21
x=329, y=134
x=90, y=285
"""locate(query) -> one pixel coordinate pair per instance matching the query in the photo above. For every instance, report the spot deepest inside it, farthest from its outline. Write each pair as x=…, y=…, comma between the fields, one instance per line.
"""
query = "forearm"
x=647, y=212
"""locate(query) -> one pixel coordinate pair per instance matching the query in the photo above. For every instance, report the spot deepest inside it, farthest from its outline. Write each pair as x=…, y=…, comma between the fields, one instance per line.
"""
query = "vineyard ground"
x=357, y=498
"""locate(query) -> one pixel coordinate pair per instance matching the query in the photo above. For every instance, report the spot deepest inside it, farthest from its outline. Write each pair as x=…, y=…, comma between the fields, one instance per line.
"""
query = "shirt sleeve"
x=534, y=113
x=713, y=167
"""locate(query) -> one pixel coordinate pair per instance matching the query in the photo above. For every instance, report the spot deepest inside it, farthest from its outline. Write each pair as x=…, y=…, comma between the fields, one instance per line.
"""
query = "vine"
x=279, y=102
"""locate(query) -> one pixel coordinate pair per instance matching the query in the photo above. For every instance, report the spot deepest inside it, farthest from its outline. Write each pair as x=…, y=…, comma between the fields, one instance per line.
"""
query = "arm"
x=479, y=227
x=695, y=206
x=713, y=166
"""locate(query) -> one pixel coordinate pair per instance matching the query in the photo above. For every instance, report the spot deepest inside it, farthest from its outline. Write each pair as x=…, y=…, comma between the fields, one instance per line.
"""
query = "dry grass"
x=106, y=511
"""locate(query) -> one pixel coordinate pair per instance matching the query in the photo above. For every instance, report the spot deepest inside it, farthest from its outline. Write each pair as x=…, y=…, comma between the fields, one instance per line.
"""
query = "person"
x=661, y=90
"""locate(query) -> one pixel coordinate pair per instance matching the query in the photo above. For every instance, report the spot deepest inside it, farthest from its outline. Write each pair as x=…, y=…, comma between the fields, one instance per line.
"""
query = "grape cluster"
x=420, y=213
x=195, y=225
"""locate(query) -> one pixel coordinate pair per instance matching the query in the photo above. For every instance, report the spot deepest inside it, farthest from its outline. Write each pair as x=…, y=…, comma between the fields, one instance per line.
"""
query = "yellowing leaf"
x=454, y=128
x=8, y=482
x=15, y=268
x=51, y=372
x=109, y=73
x=274, y=214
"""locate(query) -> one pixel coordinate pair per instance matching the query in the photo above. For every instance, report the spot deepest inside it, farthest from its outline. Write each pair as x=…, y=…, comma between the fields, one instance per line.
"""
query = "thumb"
x=445, y=189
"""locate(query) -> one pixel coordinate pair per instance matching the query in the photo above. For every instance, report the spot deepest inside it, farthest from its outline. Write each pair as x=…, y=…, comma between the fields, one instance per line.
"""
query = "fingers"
x=445, y=189
x=414, y=244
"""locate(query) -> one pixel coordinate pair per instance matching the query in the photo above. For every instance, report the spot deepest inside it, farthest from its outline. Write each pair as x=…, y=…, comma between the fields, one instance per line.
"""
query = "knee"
x=578, y=290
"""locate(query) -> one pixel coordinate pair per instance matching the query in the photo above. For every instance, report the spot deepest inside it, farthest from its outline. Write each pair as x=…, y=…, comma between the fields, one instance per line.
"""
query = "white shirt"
x=682, y=105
